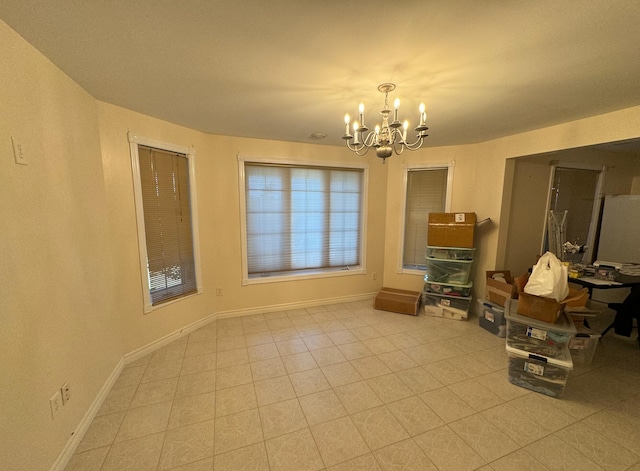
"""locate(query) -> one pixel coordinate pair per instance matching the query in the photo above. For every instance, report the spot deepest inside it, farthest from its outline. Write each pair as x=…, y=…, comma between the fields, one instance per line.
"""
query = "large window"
x=301, y=220
x=427, y=191
x=166, y=226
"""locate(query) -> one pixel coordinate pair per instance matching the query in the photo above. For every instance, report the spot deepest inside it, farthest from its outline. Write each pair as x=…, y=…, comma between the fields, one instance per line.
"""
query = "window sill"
x=307, y=275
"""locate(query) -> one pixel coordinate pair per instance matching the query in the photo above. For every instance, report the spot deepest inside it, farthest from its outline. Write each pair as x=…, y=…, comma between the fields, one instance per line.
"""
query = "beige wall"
x=70, y=282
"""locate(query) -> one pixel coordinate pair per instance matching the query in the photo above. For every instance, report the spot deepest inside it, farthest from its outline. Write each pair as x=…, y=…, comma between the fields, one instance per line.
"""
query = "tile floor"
x=346, y=387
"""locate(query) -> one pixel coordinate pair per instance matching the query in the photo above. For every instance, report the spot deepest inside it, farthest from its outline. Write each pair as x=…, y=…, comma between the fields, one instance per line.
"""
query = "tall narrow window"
x=426, y=193
x=302, y=219
x=166, y=224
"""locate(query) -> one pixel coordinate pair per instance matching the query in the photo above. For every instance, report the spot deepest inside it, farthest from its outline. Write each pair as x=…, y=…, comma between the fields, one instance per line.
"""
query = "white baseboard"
x=76, y=438
x=74, y=441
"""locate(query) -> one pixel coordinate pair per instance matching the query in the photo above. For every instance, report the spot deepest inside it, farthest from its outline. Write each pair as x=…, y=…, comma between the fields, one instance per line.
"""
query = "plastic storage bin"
x=583, y=346
x=448, y=289
x=539, y=373
x=449, y=307
x=538, y=337
x=491, y=317
x=448, y=271
x=450, y=253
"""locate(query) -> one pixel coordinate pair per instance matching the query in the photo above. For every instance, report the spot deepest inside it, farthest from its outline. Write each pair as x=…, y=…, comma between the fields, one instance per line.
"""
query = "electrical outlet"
x=218, y=291
x=56, y=404
x=374, y=275
x=65, y=391
x=18, y=152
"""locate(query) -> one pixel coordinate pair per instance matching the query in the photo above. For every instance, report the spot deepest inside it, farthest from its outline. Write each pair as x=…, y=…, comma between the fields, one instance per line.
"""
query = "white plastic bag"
x=549, y=278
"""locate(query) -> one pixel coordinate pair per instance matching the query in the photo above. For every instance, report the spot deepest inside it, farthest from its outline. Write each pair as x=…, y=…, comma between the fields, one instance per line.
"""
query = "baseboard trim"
x=76, y=438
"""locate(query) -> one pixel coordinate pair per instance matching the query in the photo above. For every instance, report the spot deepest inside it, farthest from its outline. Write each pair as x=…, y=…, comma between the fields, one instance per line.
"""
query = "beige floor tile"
x=144, y=421
x=445, y=372
x=476, y=395
x=338, y=440
x=154, y=392
x=201, y=348
x=294, y=451
x=341, y=337
x=397, y=360
x=339, y=374
x=365, y=333
x=389, y=388
x=198, y=364
x=265, y=369
x=117, y=400
x=237, y=430
x=331, y=326
x=497, y=383
x=282, y=417
x=207, y=332
x=248, y=458
x=448, y=451
x=303, y=319
x=315, y=342
x=309, y=381
x=321, y=407
x=621, y=428
x=258, y=338
x=355, y=350
x=598, y=448
x=291, y=347
x=405, y=455
x=299, y=362
x=279, y=323
x=370, y=367
x=274, y=390
x=403, y=340
x=418, y=380
x=542, y=411
x=130, y=376
x=379, y=427
x=515, y=424
x=556, y=454
x=101, y=432
x=140, y=454
x=520, y=460
x=328, y=356
x=173, y=351
x=235, y=399
x=233, y=376
x=446, y=404
x=88, y=461
x=379, y=345
x=308, y=330
x=197, y=383
x=162, y=370
x=264, y=351
x=192, y=409
x=231, y=343
x=187, y=444
x=414, y=415
x=237, y=356
x=485, y=439
x=362, y=463
x=356, y=397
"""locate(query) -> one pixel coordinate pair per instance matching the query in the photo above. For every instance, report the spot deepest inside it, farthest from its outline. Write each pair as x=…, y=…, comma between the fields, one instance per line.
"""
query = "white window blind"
x=426, y=193
x=167, y=224
x=301, y=218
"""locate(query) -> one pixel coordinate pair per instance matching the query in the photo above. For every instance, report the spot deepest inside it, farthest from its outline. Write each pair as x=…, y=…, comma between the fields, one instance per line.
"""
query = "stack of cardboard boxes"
x=450, y=250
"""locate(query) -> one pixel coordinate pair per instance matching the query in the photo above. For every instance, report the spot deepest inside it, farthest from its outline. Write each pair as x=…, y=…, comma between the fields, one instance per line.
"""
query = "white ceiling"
x=284, y=69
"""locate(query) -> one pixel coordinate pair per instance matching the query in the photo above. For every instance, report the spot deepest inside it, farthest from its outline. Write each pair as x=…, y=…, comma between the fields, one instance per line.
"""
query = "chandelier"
x=386, y=138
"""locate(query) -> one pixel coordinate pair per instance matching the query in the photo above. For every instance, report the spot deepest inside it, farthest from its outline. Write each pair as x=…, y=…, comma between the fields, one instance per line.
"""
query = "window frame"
x=189, y=152
x=309, y=273
x=401, y=268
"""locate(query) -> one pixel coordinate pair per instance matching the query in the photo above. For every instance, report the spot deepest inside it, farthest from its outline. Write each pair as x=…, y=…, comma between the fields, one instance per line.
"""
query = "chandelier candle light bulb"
x=387, y=138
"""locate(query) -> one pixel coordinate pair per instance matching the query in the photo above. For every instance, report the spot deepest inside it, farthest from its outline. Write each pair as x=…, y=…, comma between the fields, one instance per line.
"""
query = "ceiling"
x=285, y=69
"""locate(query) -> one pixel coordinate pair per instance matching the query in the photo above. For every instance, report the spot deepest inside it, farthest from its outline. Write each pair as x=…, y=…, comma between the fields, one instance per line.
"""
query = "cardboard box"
x=398, y=300
x=546, y=309
x=498, y=292
x=451, y=229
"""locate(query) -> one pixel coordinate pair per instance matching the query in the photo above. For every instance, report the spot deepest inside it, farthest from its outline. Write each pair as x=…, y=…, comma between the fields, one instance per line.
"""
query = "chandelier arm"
x=415, y=145
x=357, y=149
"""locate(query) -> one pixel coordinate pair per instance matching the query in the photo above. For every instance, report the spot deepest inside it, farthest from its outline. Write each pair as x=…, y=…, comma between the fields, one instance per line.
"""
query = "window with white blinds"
x=426, y=193
x=164, y=190
x=302, y=219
